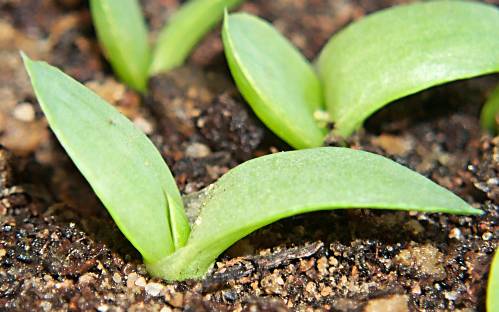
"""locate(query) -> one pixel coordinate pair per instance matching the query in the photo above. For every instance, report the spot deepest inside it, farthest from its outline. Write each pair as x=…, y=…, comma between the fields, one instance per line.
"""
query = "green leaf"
x=184, y=30
x=122, y=33
x=493, y=285
x=489, y=118
x=273, y=187
x=123, y=167
x=275, y=79
x=402, y=50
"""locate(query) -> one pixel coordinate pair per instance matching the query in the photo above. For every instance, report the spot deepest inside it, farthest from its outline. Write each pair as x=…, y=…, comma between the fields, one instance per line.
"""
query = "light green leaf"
x=184, y=30
x=489, y=118
x=123, y=167
x=402, y=50
x=273, y=187
x=493, y=285
x=122, y=33
x=275, y=79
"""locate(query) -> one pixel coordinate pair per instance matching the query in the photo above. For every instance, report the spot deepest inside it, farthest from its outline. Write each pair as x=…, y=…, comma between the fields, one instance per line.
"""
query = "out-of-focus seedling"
x=184, y=30
x=381, y=58
x=123, y=35
x=489, y=117
x=133, y=182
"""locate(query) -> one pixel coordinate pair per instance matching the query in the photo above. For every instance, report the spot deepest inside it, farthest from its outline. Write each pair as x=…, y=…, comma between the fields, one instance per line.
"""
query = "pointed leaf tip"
x=24, y=57
x=123, y=167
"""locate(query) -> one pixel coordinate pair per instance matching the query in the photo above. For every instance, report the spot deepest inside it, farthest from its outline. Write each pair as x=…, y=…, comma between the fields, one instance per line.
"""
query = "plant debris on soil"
x=60, y=250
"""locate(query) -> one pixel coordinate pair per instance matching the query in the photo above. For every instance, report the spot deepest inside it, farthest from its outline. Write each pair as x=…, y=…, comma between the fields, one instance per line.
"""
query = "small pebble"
x=103, y=308
x=416, y=290
x=456, y=233
x=87, y=278
x=144, y=125
x=322, y=265
x=153, y=289
x=310, y=287
x=141, y=282
x=394, y=145
x=177, y=300
x=132, y=277
x=117, y=278
x=333, y=261
x=197, y=150
x=46, y=306
x=450, y=295
x=487, y=236
x=326, y=291
x=24, y=112
x=395, y=303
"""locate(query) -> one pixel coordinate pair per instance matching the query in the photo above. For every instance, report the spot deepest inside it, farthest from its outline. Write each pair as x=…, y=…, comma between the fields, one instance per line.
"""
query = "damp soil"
x=60, y=250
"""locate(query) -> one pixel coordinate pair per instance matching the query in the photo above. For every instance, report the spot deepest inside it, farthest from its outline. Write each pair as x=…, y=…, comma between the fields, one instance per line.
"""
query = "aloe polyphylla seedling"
x=123, y=34
x=133, y=182
x=383, y=57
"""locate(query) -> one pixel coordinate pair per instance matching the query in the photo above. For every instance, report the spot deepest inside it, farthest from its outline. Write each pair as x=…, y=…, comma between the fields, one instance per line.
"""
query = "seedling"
x=383, y=57
x=123, y=35
x=490, y=113
x=493, y=285
x=135, y=185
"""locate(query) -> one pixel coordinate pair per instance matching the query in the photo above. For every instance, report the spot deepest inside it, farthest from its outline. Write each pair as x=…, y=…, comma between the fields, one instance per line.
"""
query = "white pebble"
x=24, y=112
x=103, y=308
x=197, y=150
x=117, y=278
x=141, y=282
x=143, y=125
x=153, y=289
x=487, y=236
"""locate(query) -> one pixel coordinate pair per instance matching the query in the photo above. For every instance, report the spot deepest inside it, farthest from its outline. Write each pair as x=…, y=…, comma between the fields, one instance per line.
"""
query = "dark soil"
x=60, y=250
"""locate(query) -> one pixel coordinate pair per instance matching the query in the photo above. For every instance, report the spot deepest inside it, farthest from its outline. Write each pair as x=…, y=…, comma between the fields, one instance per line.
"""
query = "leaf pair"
x=385, y=56
x=123, y=34
x=123, y=167
x=131, y=179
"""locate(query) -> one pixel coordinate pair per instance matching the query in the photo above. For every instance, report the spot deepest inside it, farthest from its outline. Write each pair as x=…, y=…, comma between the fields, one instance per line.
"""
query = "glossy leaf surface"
x=269, y=188
x=123, y=167
x=185, y=29
x=275, y=79
x=493, y=285
x=402, y=50
x=122, y=33
x=489, y=118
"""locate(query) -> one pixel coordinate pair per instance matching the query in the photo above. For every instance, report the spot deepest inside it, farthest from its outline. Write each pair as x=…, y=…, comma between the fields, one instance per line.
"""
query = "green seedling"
x=135, y=185
x=489, y=118
x=184, y=30
x=493, y=285
x=383, y=57
x=122, y=32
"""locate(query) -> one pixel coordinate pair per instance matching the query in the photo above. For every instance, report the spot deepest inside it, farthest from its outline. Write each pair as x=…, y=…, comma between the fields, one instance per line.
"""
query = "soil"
x=60, y=250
